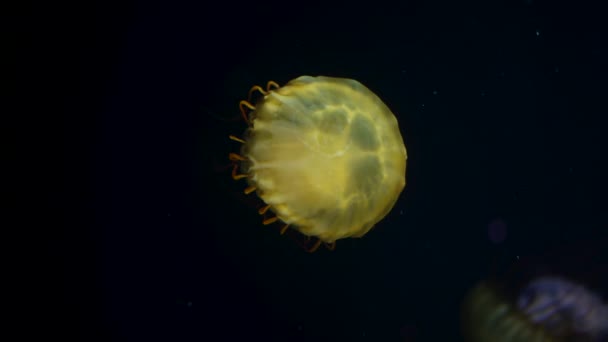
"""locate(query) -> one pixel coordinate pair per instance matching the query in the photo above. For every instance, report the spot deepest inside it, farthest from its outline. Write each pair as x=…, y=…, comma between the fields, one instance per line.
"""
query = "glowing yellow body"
x=326, y=154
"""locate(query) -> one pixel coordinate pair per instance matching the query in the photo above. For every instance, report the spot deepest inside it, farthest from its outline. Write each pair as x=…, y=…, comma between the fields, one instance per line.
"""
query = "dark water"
x=501, y=106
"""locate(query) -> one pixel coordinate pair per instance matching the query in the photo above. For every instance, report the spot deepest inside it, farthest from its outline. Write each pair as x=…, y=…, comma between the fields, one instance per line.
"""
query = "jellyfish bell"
x=324, y=154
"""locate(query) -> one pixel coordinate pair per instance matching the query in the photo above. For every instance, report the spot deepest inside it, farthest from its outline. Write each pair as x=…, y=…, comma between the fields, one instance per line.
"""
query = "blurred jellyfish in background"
x=533, y=302
x=564, y=307
x=548, y=309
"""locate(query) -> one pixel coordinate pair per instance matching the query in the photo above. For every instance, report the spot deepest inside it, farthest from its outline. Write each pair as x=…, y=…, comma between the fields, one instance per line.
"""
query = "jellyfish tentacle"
x=315, y=246
x=270, y=220
x=235, y=174
x=272, y=84
x=243, y=104
x=264, y=209
x=284, y=228
x=235, y=138
x=253, y=89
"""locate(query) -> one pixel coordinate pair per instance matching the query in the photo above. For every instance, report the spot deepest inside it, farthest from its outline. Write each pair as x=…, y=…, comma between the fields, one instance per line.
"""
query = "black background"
x=146, y=236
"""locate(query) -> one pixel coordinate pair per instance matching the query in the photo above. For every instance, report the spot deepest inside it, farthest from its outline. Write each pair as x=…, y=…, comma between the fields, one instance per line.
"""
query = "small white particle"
x=537, y=33
x=517, y=257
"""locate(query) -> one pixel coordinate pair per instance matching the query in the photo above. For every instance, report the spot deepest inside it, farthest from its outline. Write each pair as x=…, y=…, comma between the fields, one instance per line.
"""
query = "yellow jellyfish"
x=324, y=154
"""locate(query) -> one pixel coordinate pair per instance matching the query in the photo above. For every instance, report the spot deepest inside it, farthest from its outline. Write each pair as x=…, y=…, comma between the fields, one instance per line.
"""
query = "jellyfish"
x=548, y=309
x=324, y=154
x=541, y=302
